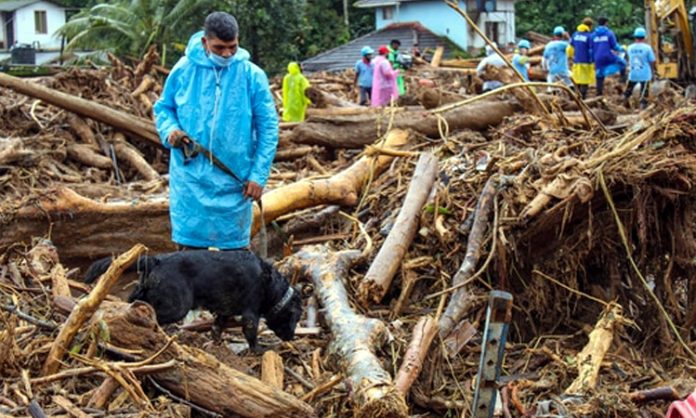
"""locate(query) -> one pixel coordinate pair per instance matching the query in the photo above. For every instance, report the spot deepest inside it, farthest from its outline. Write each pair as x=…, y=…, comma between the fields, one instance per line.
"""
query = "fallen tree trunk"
x=382, y=270
x=87, y=155
x=340, y=189
x=462, y=297
x=322, y=99
x=354, y=336
x=80, y=227
x=199, y=377
x=132, y=124
x=365, y=130
x=132, y=156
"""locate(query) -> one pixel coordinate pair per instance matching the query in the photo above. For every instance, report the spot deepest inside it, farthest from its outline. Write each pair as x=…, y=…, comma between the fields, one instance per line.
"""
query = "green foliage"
x=543, y=15
x=130, y=27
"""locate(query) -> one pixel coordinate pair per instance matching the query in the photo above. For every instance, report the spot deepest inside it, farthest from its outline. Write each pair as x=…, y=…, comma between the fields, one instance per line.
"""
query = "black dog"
x=226, y=283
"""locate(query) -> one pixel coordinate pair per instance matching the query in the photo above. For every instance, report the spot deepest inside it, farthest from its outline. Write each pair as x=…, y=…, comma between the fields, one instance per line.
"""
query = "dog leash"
x=192, y=149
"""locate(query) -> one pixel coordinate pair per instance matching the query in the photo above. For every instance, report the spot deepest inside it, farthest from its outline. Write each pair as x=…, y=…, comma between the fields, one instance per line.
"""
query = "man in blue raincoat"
x=606, y=59
x=216, y=98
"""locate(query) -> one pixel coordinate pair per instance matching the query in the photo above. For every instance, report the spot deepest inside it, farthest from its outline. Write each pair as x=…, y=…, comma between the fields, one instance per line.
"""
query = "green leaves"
x=543, y=15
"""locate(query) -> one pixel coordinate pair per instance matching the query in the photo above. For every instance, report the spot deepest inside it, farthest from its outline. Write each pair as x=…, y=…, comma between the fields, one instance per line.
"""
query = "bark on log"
x=135, y=125
x=322, y=99
x=382, y=270
x=86, y=154
x=132, y=156
x=200, y=378
x=423, y=334
x=340, y=189
x=293, y=152
x=86, y=308
x=354, y=336
x=462, y=297
x=365, y=130
x=330, y=112
x=83, y=131
x=589, y=360
x=84, y=228
x=272, y=369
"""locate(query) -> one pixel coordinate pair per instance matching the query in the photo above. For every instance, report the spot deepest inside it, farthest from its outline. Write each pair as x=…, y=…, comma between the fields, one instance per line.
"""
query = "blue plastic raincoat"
x=230, y=111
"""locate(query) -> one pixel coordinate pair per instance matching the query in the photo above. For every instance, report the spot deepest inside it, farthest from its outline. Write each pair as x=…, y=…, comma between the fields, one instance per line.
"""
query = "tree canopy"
x=543, y=15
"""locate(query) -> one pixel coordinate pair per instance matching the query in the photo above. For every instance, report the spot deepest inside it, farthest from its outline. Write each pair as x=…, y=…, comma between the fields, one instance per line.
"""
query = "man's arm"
x=164, y=110
x=265, y=125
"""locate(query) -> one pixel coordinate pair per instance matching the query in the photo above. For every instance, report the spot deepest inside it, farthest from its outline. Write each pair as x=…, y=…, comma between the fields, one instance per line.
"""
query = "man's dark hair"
x=395, y=41
x=602, y=21
x=222, y=26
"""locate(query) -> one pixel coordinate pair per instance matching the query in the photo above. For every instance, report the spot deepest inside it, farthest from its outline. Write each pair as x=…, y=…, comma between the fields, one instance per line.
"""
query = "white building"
x=31, y=22
x=495, y=17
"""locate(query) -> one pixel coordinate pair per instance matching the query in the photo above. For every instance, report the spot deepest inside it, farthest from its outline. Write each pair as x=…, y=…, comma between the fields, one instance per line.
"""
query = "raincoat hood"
x=195, y=51
x=294, y=68
x=602, y=30
x=583, y=28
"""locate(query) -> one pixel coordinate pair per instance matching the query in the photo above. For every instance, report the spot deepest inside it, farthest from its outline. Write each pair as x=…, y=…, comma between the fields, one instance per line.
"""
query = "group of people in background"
x=380, y=79
x=596, y=54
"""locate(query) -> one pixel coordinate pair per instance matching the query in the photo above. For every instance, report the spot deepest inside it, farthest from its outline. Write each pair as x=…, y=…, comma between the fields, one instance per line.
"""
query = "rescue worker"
x=216, y=98
x=641, y=58
x=521, y=59
x=393, y=58
x=605, y=50
x=294, y=100
x=384, y=88
x=364, y=72
x=555, y=59
x=492, y=58
x=583, y=60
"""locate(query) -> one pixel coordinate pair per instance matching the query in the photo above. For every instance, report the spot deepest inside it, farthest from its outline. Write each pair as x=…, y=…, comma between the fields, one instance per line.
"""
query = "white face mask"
x=219, y=60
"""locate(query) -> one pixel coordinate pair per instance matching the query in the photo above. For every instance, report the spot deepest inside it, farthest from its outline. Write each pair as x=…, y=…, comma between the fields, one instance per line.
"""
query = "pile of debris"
x=396, y=223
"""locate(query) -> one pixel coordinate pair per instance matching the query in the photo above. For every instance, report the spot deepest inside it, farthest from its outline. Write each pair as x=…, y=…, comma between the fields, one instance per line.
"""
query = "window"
x=388, y=13
x=493, y=31
x=40, y=21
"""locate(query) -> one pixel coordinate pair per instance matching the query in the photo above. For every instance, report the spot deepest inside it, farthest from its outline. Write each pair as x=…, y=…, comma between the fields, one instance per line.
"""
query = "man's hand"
x=253, y=190
x=177, y=137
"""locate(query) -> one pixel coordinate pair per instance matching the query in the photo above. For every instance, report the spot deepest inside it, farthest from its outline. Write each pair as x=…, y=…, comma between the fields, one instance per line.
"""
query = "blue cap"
x=558, y=30
x=366, y=50
x=524, y=44
x=639, y=33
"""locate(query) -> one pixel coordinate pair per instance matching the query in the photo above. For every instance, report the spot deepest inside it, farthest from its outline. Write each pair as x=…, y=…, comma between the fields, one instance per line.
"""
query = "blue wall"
x=435, y=15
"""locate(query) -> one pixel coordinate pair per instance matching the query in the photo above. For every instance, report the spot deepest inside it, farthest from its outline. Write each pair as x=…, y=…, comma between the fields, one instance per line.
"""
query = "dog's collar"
x=284, y=301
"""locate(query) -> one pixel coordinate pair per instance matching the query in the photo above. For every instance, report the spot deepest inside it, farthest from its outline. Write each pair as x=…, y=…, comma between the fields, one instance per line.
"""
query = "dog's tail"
x=144, y=264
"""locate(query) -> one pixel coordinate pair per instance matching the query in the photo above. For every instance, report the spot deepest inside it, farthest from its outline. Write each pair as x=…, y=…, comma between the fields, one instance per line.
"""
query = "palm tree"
x=131, y=27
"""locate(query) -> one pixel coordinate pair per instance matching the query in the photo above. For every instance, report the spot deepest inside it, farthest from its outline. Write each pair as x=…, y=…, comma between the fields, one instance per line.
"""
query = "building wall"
x=437, y=17
x=25, y=29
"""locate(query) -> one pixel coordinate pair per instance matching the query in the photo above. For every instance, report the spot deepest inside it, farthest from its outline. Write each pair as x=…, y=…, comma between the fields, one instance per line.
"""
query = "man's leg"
x=583, y=90
x=644, y=93
x=600, y=86
x=628, y=92
x=363, y=96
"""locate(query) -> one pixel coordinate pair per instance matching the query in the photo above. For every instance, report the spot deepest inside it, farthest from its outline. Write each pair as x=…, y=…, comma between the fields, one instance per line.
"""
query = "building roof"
x=379, y=3
x=12, y=5
x=346, y=55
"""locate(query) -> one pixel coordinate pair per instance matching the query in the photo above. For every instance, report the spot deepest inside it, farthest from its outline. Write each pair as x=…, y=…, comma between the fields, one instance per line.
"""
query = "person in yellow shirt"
x=580, y=49
x=294, y=100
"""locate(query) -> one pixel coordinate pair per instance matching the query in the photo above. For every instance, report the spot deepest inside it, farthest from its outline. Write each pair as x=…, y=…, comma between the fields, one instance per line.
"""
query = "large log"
x=199, y=377
x=365, y=130
x=385, y=265
x=84, y=228
x=342, y=188
x=132, y=124
x=354, y=336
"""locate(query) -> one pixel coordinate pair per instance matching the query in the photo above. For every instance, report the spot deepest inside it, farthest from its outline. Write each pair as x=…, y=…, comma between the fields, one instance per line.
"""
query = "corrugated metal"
x=11, y=6
x=379, y=3
x=346, y=55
